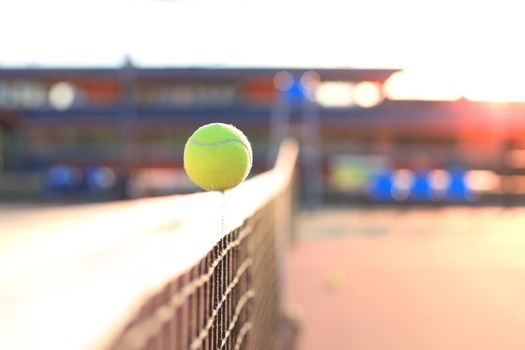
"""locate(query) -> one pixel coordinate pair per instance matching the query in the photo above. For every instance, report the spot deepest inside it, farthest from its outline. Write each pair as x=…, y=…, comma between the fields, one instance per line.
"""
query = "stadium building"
x=121, y=131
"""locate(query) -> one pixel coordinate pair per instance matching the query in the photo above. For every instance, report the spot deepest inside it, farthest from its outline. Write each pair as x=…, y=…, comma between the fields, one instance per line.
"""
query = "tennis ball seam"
x=222, y=142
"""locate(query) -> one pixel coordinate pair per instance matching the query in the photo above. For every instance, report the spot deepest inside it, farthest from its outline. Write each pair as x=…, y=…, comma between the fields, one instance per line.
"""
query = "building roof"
x=219, y=73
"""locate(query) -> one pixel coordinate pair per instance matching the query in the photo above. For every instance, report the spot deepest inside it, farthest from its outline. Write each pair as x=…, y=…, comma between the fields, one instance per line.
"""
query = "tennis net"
x=166, y=275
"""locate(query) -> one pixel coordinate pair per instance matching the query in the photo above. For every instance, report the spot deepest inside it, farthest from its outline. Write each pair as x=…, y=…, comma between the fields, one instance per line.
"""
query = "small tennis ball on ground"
x=217, y=157
x=334, y=280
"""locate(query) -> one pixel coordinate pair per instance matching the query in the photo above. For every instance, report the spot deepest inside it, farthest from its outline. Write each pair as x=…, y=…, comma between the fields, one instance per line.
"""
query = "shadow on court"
x=411, y=279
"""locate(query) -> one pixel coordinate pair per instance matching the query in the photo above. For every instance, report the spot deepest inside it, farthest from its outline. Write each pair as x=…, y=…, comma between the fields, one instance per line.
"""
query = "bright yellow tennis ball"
x=217, y=157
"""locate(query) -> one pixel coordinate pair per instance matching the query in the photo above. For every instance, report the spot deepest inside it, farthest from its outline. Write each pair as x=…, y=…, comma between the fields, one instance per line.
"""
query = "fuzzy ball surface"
x=217, y=157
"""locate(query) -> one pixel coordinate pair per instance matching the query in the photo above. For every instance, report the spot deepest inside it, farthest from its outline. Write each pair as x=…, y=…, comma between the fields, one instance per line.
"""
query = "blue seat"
x=421, y=190
x=457, y=190
x=381, y=186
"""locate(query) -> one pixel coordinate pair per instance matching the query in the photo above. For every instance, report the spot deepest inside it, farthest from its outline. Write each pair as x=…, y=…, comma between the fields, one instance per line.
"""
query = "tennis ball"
x=334, y=280
x=217, y=157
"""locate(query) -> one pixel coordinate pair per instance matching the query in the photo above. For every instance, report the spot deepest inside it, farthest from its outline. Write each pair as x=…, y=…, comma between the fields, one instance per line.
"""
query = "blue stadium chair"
x=99, y=179
x=60, y=178
x=457, y=190
x=421, y=191
x=381, y=186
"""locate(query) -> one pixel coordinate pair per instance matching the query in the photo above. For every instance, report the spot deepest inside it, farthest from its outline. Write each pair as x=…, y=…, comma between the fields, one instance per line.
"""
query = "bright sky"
x=448, y=48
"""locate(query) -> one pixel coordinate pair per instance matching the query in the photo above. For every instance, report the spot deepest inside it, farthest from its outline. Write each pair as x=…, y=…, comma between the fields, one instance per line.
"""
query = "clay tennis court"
x=446, y=278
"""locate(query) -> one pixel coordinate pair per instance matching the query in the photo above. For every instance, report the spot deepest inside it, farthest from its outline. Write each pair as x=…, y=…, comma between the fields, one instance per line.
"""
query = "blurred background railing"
x=186, y=272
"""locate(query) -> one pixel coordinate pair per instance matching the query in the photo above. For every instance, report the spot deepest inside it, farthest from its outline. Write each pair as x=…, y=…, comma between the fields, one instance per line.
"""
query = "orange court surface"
x=444, y=278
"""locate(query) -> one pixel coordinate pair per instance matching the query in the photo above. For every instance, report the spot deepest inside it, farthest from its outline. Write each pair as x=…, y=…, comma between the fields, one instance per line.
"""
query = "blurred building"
x=100, y=130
